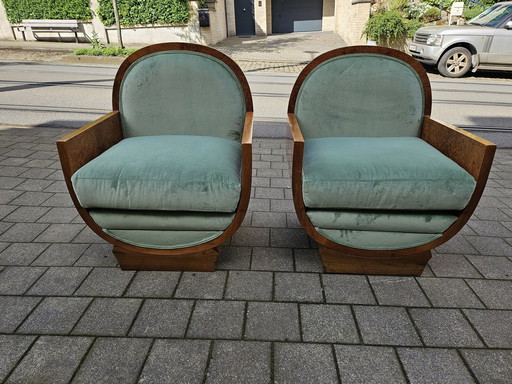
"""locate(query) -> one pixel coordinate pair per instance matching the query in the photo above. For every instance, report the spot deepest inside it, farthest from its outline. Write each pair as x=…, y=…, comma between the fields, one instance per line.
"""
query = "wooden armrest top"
x=81, y=146
x=296, y=131
x=247, y=133
x=471, y=152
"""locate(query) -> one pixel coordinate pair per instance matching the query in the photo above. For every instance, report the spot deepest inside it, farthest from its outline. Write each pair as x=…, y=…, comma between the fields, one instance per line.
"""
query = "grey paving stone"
x=368, y=365
x=307, y=260
x=289, y=238
x=88, y=236
x=493, y=326
x=235, y=362
x=259, y=205
x=446, y=265
x=153, y=284
x=52, y=359
x=9, y=170
x=105, y=282
x=233, y=257
x=495, y=294
x=300, y=287
x=490, y=366
x=282, y=206
x=202, y=285
x=398, y=291
x=346, y=289
x=22, y=232
x=113, y=361
x=60, y=254
x=5, y=210
x=11, y=182
x=217, y=320
x=33, y=185
x=97, y=255
x=55, y=315
x=272, y=321
x=489, y=228
x=253, y=237
x=14, y=309
x=444, y=328
x=328, y=324
x=26, y=214
x=453, y=293
x=31, y=198
x=21, y=253
x=491, y=246
x=108, y=317
x=176, y=361
x=58, y=215
x=269, y=193
x=386, y=326
x=58, y=200
x=272, y=259
x=493, y=267
x=292, y=221
x=162, y=318
x=304, y=363
x=249, y=285
x=17, y=280
x=457, y=245
x=12, y=348
x=434, y=366
x=60, y=233
x=269, y=219
x=59, y=281
x=7, y=196
x=5, y=226
x=269, y=173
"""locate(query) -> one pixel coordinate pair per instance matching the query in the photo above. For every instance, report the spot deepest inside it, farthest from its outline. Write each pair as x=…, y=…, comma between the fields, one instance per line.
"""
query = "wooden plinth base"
x=409, y=265
x=199, y=261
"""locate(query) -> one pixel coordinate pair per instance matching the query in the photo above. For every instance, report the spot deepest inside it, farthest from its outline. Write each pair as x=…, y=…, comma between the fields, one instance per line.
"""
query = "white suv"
x=485, y=41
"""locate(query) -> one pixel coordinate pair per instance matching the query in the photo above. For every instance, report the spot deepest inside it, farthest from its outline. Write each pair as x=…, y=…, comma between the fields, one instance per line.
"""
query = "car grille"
x=421, y=38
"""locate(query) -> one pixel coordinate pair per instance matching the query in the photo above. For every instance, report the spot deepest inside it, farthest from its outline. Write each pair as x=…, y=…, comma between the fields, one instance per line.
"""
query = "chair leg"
x=408, y=265
x=199, y=261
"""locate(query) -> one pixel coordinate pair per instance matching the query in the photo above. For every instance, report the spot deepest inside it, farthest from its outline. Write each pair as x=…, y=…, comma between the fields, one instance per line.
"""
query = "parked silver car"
x=485, y=41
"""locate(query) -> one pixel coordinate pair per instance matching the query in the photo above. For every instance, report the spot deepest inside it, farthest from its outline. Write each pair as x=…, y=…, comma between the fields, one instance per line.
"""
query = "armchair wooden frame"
x=88, y=142
x=471, y=152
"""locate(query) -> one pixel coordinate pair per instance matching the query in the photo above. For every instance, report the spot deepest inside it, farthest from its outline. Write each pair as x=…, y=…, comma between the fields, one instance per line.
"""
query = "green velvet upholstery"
x=161, y=220
x=181, y=93
x=380, y=221
x=375, y=240
x=163, y=239
x=358, y=95
x=163, y=173
x=393, y=173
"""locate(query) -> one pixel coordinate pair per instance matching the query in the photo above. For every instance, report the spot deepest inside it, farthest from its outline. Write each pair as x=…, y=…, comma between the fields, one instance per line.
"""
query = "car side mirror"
x=508, y=25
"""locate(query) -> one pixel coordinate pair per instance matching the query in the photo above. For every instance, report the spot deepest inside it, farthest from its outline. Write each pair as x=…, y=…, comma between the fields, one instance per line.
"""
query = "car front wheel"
x=455, y=62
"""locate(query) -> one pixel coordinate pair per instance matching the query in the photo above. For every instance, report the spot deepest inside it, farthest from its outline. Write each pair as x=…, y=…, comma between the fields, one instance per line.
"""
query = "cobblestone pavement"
x=267, y=315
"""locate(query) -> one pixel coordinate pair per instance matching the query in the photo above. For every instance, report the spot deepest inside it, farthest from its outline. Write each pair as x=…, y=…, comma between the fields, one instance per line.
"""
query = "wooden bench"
x=49, y=26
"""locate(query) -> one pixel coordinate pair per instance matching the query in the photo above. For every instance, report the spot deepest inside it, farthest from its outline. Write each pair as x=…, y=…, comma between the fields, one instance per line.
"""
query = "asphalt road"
x=67, y=95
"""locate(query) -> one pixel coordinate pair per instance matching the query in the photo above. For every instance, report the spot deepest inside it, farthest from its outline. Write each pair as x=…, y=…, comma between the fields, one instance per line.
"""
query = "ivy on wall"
x=140, y=12
x=17, y=10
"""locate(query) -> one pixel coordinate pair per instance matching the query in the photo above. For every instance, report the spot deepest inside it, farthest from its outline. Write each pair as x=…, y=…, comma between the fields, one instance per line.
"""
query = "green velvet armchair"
x=377, y=182
x=166, y=176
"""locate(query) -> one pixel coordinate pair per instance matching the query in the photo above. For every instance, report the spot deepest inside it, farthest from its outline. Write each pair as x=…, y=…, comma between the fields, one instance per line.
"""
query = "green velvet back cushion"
x=361, y=95
x=181, y=93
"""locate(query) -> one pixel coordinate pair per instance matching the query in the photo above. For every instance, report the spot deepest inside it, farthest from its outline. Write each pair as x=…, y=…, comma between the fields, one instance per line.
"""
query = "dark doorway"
x=244, y=17
x=296, y=15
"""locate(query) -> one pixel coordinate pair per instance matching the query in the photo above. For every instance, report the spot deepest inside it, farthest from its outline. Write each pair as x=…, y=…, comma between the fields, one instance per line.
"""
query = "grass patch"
x=110, y=51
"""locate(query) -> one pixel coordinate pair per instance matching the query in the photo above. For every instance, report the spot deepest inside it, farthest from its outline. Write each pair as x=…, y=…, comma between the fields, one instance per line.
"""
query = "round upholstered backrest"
x=181, y=92
x=361, y=94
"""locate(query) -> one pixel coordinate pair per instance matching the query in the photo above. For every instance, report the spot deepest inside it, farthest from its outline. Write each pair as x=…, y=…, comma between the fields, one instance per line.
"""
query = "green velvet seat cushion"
x=375, y=240
x=161, y=220
x=163, y=239
x=387, y=173
x=382, y=221
x=163, y=173
x=198, y=93
x=367, y=95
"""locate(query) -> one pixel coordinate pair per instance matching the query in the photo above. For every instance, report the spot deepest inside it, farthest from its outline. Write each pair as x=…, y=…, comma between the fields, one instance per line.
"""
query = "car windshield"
x=492, y=16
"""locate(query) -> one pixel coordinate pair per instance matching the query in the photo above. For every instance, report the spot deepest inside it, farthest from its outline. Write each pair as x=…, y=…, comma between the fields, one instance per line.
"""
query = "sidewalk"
x=267, y=315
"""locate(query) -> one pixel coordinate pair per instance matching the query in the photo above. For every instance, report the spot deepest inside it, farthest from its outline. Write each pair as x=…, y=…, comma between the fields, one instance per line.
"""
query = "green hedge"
x=17, y=10
x=134, y=12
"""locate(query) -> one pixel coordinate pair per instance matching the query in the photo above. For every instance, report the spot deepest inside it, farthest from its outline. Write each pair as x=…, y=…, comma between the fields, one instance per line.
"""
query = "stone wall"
x=350, y=19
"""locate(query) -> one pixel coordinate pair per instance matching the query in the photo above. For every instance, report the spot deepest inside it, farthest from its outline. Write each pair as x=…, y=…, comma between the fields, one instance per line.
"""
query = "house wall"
x=350, y=19
x=5, y=27
x=328, y=15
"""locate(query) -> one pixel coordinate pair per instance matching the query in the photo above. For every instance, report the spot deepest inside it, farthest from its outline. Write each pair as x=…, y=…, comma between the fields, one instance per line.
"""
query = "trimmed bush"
x=17, y=10
x=110, y=51
x=387, y=28
x=142, y=12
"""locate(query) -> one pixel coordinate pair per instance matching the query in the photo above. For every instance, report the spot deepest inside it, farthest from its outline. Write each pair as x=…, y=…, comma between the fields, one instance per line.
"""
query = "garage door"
x=296, y=15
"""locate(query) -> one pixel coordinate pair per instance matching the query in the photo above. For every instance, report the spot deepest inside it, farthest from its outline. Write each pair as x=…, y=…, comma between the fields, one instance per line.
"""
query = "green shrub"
x=470, y=13
x=142, y=12
x=17, y=10
x=431, y=14
x=387, y=28
x=412, y=26
x=110, y=51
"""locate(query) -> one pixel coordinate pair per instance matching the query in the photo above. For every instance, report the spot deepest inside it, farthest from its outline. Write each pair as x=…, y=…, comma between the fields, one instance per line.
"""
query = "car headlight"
x=434, y=39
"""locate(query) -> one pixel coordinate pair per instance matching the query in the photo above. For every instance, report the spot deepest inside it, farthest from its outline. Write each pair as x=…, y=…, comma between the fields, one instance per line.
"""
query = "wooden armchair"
x=377, y=182
x=166, y=176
